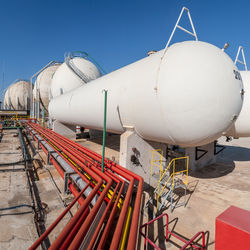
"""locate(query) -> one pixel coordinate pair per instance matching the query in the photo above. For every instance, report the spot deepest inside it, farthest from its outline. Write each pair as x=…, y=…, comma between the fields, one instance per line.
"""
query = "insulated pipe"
x=93, y=212
x=136, y=212
x=120, y=224
x=121, y=170
x=100, y=200
x=125, y=206
x=67, y=168
x=65, y=245
x=93, y=239
x=68, y=228
x=75, y=244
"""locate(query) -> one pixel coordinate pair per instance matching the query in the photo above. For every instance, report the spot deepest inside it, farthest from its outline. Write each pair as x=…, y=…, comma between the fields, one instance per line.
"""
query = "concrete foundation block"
x=201, y=156
x=136, y=155
x=65, y=130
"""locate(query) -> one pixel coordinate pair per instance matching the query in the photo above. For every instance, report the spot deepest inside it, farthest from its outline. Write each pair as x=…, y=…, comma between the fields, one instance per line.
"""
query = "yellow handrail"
x=158, y=152
x=172, y=175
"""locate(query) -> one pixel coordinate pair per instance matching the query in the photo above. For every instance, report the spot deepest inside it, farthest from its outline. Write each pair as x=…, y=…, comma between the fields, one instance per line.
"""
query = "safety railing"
x=168, y=232
x=171, y=177
x=156, y=160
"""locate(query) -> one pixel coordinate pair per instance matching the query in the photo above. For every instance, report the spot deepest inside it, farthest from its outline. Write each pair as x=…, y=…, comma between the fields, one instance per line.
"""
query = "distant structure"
x=73, y=73
x=18, y=95
x=41, y=90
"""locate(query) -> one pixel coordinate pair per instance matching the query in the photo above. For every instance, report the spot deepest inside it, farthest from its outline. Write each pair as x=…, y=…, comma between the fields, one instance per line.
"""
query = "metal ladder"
x=167, y=185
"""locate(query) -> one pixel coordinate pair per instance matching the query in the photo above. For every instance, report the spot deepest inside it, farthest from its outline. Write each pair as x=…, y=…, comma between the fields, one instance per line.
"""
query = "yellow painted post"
x=124, y=237
x=187, y=170
x=152, y=162
x=173, y=172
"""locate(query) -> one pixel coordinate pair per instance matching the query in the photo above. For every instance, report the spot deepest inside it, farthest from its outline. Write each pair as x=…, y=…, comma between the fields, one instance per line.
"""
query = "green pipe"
x=104, y=128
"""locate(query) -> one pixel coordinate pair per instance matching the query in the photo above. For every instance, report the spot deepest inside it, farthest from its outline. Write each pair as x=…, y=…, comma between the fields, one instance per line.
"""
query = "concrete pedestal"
x=65, y=130
x=136, y=155
x=93, y=134
x=200, y=157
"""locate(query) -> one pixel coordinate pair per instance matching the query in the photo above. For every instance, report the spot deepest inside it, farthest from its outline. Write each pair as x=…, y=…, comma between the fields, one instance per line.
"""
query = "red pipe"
x=68, y=228
x=54, y=224
x=123, y=172
x=75, y=244
x=91, y=244
x=136, y=213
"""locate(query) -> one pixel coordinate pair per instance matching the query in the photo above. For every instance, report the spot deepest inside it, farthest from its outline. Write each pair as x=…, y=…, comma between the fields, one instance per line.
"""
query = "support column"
x=136, y=155
x=201, y=156
x=65, y=130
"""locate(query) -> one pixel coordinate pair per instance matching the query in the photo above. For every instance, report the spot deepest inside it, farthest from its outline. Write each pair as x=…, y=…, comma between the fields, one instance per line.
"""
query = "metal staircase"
x=166, y=191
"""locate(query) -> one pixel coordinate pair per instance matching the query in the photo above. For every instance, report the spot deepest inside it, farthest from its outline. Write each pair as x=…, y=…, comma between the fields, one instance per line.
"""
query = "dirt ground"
x=17, y=227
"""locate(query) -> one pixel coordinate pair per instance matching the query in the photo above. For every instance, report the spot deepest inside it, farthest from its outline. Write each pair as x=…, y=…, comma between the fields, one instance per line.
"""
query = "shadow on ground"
x=112, y=141
x=235, y=153
x=214, y=171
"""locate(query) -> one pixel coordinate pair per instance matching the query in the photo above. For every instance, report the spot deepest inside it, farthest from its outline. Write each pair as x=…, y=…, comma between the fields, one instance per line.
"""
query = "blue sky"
x=114, y=32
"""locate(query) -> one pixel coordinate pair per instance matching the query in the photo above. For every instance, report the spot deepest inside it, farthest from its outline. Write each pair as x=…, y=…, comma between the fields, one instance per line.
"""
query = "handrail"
x=146, y=229
x=193, y=238
x=158, y=152
x=187, y=243
x=172, y=176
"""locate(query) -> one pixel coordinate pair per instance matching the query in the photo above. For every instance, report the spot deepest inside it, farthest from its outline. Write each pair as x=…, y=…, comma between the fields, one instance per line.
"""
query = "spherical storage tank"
x=187, y=96
x=18, y=95
x=74, y=72
x=43, y=83
x=241, y=128
x=6, y=100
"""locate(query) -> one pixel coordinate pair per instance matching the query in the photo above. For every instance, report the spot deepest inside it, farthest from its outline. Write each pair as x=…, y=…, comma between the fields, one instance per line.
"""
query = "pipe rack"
x=102, y=195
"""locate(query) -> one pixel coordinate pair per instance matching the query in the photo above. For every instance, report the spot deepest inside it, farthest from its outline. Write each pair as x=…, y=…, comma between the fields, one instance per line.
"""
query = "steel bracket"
x=48, y=156
x=197, y=150
x=193, y=33
x=38, y=143
x=66, y=181
x=220, y=147
x=243, y=57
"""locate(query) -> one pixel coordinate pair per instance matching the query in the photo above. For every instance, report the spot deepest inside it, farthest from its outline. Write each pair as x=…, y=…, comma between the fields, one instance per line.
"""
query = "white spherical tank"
x=43, y=83
x=241, y=128
x=65, y=79
x=188, y=96
x=19, y=95
x=6, y=100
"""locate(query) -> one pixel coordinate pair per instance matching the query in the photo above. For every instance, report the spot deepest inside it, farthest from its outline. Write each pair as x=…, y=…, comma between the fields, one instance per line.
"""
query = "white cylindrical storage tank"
x=241, y=128
x=188, y=96
x=20, y=94
x=73, y=74
x=43, y=83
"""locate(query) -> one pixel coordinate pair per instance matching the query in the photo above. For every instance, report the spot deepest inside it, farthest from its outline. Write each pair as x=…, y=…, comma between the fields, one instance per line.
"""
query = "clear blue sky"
x=114, y=32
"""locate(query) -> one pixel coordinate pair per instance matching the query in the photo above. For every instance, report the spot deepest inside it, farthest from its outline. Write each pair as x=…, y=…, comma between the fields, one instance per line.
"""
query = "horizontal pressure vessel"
x=72, y=74
x=187, y=96
x=241, y=128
